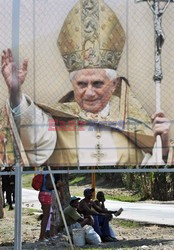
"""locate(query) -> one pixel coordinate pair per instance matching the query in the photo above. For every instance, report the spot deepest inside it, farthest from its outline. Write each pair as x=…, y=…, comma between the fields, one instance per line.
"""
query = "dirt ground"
x=130, y=236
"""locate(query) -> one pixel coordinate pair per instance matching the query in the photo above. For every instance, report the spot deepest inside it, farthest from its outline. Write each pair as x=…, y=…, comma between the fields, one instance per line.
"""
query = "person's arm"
x=38, y=141
x=100, y=204
x=103, y=205
x=80, y=219
x=86, y=210
x=32, y=122
x=103, y=208
x=13, y=77
x=76, y=216
x=161, y=126
x=97, y=203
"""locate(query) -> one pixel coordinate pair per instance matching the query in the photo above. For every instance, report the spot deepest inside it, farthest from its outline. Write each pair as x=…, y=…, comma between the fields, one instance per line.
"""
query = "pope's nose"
x=89, y=92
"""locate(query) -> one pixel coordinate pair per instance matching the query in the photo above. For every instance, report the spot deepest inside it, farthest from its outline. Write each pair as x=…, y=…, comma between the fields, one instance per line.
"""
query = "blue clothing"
x=44, y=189
x=101, y=225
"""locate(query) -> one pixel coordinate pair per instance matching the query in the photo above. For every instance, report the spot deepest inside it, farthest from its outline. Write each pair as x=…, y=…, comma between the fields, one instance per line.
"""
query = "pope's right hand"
x=13, y=76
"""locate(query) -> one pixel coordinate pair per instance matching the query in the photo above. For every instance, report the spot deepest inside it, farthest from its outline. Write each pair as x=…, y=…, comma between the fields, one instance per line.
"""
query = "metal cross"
x=159, y=41
x=98, y=155
x=159, y=34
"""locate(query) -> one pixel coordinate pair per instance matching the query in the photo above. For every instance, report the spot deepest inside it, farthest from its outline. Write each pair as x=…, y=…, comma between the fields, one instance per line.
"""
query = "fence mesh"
x=48, y=79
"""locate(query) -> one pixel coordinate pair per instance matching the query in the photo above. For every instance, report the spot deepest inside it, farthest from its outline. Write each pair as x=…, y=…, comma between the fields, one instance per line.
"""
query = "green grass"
x=125, y=247
x=89, y=248
x=76, y=180
x=126, y=223
x=29, y=211
x=125, y=198
x=132, y=198
x=26, y=180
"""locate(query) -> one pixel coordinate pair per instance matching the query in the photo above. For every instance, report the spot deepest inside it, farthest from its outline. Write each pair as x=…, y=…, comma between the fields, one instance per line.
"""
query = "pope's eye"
x=98, y=84
x=82, y=84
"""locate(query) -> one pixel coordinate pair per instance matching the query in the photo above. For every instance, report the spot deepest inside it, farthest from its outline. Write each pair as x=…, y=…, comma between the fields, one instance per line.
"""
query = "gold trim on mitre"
x=91, y=37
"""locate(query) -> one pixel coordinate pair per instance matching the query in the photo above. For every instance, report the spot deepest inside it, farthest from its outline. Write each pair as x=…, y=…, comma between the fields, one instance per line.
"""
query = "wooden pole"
x=93, y=182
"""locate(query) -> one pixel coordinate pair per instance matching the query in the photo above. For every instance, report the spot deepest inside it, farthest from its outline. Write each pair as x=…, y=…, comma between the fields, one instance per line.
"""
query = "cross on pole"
x=159, y=33
x=159, y=41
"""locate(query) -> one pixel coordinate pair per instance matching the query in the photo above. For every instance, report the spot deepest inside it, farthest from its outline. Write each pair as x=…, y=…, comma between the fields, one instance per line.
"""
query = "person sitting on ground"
x=100, y=201
x=72, y=217
x=101, y=219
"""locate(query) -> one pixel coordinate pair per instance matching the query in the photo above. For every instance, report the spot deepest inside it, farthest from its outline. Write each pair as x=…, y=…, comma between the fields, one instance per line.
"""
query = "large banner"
x=87, y=118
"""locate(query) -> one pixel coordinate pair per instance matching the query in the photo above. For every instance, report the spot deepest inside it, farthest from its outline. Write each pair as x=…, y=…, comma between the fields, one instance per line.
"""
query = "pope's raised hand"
x=13, y=76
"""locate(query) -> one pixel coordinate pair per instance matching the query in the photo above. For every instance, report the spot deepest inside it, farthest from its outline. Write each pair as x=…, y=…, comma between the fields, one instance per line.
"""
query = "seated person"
x=72, y=217
x=101, y=219
x=100, y=201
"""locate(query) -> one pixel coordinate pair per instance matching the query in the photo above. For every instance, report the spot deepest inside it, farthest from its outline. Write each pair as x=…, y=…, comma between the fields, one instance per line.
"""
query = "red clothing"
x=45, y=198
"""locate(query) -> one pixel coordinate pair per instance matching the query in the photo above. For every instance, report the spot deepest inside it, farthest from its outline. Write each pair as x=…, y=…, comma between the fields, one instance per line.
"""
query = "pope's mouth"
x=90, y=102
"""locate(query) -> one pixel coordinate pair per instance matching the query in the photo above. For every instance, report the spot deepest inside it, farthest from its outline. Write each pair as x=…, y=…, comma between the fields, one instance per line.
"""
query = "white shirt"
x=89, y=154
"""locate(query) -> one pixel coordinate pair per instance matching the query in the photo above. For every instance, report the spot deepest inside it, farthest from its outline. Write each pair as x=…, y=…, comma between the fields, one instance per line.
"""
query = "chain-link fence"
x=48, y=79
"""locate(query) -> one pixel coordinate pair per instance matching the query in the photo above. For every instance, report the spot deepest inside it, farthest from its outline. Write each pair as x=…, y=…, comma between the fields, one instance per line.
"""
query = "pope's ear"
x=116, y=83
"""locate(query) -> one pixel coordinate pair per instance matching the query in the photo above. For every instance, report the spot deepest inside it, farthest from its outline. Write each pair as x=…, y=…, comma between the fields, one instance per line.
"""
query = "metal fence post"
x=18, y=170
x=18, y=208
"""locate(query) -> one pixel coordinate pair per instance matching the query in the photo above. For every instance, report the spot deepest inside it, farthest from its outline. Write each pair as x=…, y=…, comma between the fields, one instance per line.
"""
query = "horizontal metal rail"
x=85, y=171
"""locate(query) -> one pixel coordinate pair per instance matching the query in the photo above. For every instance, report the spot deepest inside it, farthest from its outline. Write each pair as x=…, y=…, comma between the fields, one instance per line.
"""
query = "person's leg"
x=55, y=223
x=1, y=202
x=104, y=225
x=55, y=215
x=48, y=227
x=53, y=231
x=13, y=196
x=87, y=221
x=96, y=225
x=3, y=197
x=112, y=233
x=9, y=201
x=46, y=213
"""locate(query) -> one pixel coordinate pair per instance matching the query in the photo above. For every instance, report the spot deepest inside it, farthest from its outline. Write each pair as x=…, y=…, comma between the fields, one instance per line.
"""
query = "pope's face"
x=92, y=89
